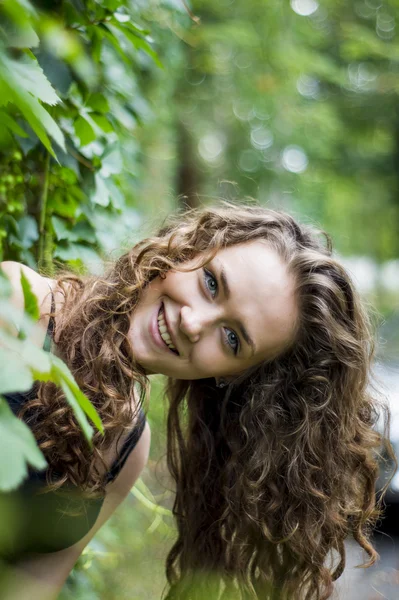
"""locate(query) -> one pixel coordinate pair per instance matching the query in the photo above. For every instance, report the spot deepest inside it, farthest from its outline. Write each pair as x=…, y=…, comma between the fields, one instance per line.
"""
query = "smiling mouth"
x=164, y=332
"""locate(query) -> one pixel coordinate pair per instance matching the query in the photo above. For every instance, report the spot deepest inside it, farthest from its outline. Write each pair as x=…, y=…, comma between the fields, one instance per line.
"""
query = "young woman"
x=267, y=349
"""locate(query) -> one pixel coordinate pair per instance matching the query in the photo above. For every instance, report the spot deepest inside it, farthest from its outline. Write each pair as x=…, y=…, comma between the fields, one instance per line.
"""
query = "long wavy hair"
x=275, y=471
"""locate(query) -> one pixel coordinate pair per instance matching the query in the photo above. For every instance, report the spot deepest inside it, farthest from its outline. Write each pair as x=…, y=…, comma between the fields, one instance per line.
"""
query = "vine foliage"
x=71, y=100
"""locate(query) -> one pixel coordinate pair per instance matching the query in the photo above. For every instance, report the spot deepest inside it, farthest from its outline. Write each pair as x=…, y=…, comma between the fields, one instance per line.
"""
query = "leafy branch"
x=26, y=364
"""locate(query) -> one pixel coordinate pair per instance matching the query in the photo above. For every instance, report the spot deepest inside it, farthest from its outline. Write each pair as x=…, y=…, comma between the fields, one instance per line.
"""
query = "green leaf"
x=18, y=449
x=36, y=359
x=109, y=35
x=11, y=225
x=26, y=354
x=27, y=363
x=112, y=5
x=13, y=316
x=37, y=117
x=6, y=93
x=65, y=205
x=44, y=118
x=18, y=85
x=96, y=43
x=79, y=402
x=101, y=195
x=62, y=232
x=116, y=195
x=79, y=414
x=102, y=122
x=80, y=252
x=86, y=405
x=98, y=102
x=15, y=376
x=12, y=125
x=28, y=231
x=29, y=75
x=112, y=162
x=19, y=10
x=137, y=41
x=82, y=231
x=84, y=131
x=6, y=141
x=133, y=26
x=145, y=46
x=22, y=37
x=31, y=303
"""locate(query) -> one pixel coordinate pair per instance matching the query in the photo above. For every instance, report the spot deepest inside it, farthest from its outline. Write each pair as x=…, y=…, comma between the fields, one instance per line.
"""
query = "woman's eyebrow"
x=227, y=293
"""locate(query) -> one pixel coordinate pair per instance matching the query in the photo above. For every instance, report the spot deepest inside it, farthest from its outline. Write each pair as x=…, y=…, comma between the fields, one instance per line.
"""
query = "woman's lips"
x=154, y=331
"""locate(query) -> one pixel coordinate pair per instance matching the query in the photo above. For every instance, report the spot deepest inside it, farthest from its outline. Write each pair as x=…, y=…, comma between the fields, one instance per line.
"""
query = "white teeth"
x=163, y=330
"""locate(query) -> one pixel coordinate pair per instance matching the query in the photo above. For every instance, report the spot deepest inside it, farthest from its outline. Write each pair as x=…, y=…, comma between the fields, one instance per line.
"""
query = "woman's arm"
x=42, y=576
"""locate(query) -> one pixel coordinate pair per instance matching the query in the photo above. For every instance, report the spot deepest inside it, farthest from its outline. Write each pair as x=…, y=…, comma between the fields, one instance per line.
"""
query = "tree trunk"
x=188, y=175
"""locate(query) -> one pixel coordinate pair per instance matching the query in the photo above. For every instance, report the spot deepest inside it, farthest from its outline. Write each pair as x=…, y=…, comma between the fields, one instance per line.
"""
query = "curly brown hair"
x=273, y=472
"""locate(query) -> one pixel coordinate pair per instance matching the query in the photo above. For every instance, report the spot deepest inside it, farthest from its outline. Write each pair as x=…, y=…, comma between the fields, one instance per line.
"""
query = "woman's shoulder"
x=41, y=286
x=13, y=271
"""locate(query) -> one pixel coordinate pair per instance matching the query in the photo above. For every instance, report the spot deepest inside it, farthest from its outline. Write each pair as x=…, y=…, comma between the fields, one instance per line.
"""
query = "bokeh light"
x=305, y=8
x=308, y=86
x=211, y=146
x=261, y=138
x=294, y=159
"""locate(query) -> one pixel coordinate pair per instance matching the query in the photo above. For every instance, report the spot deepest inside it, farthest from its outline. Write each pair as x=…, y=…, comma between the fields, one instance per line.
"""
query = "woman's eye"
x=229, y=337
x=210, y=282
x=232, y=340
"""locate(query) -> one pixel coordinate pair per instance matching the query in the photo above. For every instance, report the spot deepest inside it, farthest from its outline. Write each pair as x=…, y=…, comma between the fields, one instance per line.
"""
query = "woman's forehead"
x=261, y=292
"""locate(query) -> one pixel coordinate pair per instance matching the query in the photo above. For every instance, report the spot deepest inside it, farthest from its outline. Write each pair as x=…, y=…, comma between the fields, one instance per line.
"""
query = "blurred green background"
x=114, y=113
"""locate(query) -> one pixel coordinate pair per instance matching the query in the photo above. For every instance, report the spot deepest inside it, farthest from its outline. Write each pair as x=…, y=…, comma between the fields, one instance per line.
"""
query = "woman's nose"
x=190, y=323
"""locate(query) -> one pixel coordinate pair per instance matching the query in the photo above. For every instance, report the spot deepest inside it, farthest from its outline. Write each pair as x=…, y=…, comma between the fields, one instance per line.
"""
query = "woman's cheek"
x=209, y=360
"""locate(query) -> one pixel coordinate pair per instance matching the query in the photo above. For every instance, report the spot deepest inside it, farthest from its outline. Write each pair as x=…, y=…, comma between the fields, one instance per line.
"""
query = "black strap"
x=51, y=326
x=129, y=444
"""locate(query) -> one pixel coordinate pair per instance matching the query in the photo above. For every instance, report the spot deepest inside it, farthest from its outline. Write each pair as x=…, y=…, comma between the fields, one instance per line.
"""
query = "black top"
x=51, y=521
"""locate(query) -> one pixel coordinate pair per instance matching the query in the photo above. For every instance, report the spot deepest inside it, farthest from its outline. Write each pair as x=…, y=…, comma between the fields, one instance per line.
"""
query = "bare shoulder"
x=40, y=287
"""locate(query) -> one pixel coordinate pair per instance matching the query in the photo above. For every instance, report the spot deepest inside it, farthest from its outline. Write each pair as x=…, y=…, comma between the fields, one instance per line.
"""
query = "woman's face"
x=232, y=314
